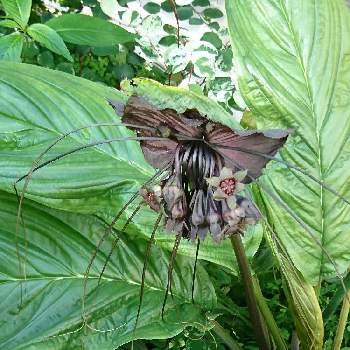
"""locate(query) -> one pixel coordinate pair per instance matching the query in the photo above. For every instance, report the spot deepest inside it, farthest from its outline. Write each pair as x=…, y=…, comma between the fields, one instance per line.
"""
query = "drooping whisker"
x=288, y=165
x=144, y=269
x=170, y=269
x=94, y=144
x=108, y=231
x=34, y=167
x=298, y=220
x=195, y=270
x=114, y=244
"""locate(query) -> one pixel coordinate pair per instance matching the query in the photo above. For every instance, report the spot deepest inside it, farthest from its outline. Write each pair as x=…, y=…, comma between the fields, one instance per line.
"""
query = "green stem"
x=257, y=322
x=225, y=336
x=268, y=317
x=344, y=313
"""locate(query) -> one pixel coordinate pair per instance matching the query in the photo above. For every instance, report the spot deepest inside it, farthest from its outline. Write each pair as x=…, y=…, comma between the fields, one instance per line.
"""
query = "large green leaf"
x=11, y=47
x=19, y=10
x=38, y=105
x=50, y=39
x=58, y=248
x=86, y=30
x=293, y=59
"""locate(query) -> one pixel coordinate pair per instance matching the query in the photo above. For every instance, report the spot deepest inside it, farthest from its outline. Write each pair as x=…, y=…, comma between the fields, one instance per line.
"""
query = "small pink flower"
x=227, y=185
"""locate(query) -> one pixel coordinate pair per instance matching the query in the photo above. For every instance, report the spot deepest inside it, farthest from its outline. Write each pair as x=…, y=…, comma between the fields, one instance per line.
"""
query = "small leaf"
x=169, y=29
x=30, y=49
x=184, y=12
x=110, y=7
x=213, y=13
x=46, y=59
x=166, y=6
x=195, y=21
x=50, y=39
x=11, y=47
x=201, y=3
x=152, y=7
x=213, y=39
x=168, y=40
x=204, y=67
x=123, y=71
x=66, y=67
x=86, y=30
x=8, y=23
x=19, y=10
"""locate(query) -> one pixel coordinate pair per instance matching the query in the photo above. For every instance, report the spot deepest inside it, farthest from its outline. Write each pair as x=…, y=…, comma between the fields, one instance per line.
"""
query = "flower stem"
x=225, y=336
x=268, y=317
x=246, y=276
x=344, y=313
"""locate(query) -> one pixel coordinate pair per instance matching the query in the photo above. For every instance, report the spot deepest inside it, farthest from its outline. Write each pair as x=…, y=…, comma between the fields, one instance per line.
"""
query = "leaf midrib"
x=319, y=149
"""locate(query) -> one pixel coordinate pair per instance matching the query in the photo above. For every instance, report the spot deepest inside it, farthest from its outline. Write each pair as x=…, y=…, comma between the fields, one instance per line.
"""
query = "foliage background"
x=203, y=62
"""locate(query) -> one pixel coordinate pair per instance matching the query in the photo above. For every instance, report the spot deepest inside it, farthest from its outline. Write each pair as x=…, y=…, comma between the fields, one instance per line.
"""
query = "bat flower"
x=227, y=185
x=195, y=156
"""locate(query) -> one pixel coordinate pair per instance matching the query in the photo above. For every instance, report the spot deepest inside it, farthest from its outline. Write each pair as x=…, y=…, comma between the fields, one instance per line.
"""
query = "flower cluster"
x=206, y=165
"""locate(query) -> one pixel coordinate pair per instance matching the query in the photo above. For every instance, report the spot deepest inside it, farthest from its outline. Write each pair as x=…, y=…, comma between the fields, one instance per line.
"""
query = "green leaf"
x=51, y=104
x=8, y=23
x=86, y=30
x=46, y=59
x=169, y=29
x=105, y=51
x=19, y=10
x=168, y=40
x=66, y=67
x=50, y=39
x=293, y=61
x=213, y=13
x=202, y=3
x=195, y=21
x=184, y=12
x=213, y=39
x=30, y=49
x=57, y=252
x=166, y=6
x=123, y=71
x=302, y=299
x=333, y=304
x=11, y=47
x=152, y=7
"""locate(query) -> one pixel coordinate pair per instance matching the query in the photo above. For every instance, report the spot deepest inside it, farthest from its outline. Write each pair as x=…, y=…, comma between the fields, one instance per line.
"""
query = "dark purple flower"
x=206, y=164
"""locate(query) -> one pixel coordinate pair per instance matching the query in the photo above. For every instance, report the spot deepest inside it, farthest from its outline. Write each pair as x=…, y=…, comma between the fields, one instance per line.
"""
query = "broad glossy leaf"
x=59, y=246
x=19, y=10
x=86, y=30
x=39, y=105
x=293, y=59
x=48, y=37
x=11, y=47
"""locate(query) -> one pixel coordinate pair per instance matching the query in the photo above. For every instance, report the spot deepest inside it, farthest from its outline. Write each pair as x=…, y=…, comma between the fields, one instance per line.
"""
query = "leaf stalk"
x=344, y=313
x=259, y=327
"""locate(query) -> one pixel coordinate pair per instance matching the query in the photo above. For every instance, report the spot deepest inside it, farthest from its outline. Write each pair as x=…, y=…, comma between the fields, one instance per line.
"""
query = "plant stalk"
x=268, y=317
x=225, y=336
x=344, y=313
x=261, y=335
